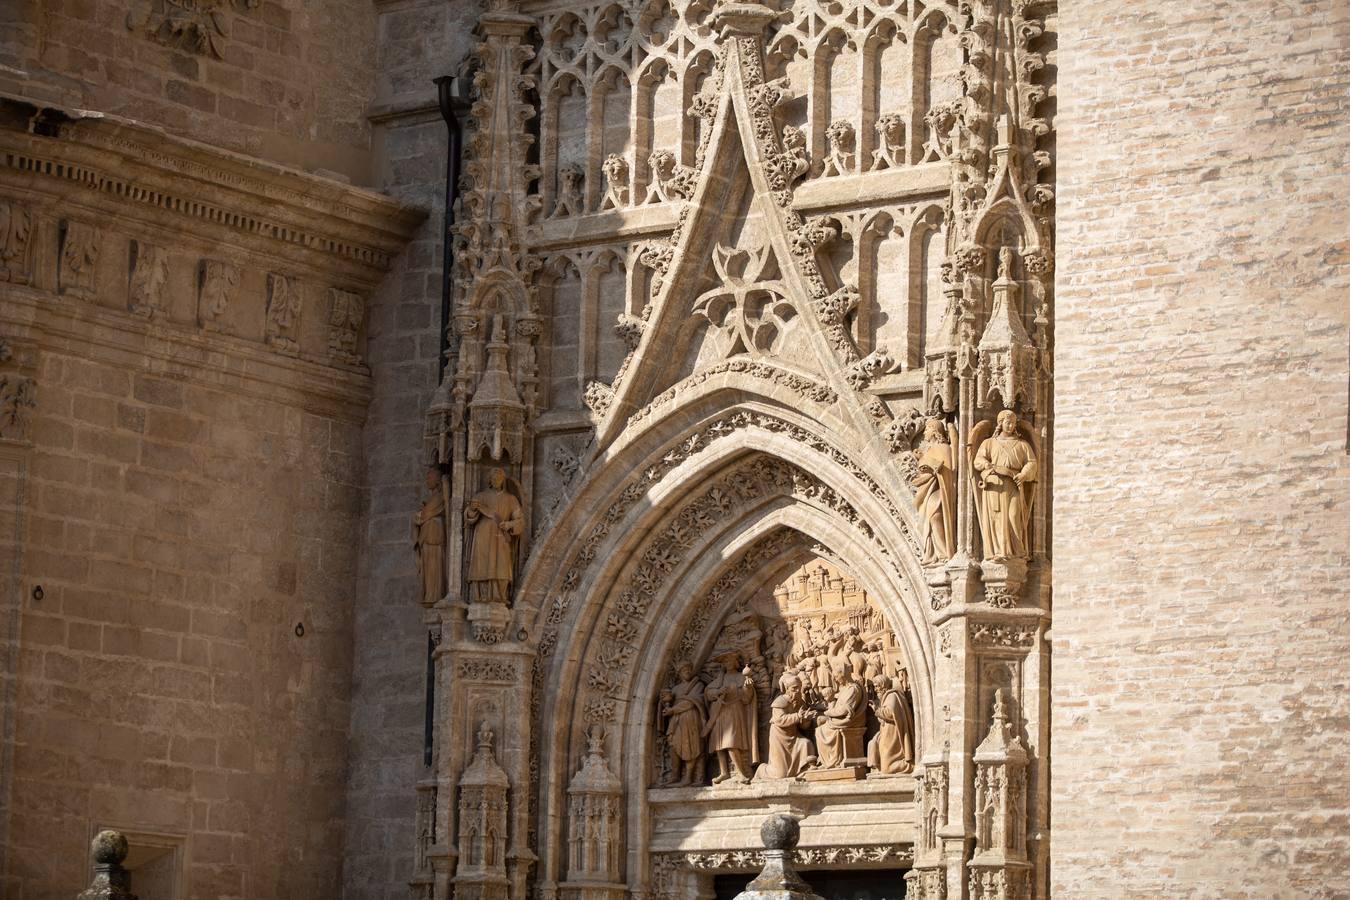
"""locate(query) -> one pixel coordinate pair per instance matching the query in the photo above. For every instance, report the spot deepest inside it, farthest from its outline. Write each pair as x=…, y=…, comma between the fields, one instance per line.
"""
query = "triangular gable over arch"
x=738, y=277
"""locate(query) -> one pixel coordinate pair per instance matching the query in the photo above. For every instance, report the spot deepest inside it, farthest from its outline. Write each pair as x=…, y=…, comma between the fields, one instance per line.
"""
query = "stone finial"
x=111, y=881
x=780, y=832
x=778, y=880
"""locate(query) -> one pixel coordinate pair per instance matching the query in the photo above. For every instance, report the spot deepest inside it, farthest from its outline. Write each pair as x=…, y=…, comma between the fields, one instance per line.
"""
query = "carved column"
x=594, y=831
x=991, y=603
x=999, y=869
x=481, y=870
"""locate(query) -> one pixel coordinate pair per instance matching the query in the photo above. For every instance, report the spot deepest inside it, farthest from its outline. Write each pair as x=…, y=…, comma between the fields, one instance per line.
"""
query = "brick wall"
x=1201, y=481
x=288, y=80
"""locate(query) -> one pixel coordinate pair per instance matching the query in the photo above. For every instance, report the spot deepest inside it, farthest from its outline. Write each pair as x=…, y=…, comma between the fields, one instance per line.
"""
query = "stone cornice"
x=203, y=186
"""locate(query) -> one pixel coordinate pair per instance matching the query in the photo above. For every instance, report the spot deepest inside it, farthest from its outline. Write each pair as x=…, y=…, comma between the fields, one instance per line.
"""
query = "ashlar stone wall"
x=1200, y=514
x=282, y=80
x=182, y=400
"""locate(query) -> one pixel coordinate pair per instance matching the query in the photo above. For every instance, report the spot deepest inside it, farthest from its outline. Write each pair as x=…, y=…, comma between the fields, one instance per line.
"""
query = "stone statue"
x=428, y=533
x=732, y=729
x=839, y=727
x=1005, y=474
x=790, y=752
x=497, y=521
x=935, y=494
x=685, y=713
x=891, y=750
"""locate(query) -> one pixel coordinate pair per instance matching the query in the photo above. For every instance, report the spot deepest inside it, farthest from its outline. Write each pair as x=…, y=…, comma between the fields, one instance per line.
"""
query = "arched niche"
x=610, y=132
x=561, y=289
x=936, y=73
x=836, y=89
x=883, y=268
x=656, y=120
x=786, y=57
x=699, y=68
x=610, y=279
x=927, y=253
x=886, y=90
x=616, y=652
x=565, y=125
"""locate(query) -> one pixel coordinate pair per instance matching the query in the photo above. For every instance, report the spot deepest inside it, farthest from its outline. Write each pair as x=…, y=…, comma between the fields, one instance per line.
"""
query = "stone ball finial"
x=780, y=832
x=110, y=847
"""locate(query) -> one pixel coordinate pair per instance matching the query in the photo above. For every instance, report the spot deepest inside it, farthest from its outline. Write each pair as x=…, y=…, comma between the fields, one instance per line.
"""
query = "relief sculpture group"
x=811, y=688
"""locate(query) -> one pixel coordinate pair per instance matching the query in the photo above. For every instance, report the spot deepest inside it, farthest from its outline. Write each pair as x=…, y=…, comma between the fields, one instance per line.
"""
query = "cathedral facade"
x=523, y=483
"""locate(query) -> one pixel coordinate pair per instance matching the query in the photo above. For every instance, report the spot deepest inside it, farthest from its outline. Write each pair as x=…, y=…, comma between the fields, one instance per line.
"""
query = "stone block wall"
x=418, y=42
x=1202, y=476
x=180, y=506
x=283, y=80
x=186, y=669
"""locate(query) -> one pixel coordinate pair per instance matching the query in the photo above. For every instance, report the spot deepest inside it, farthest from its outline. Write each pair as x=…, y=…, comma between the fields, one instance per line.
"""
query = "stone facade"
x=789, y=344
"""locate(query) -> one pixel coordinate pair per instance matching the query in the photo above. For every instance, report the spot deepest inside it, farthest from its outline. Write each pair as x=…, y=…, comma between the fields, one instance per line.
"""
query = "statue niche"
x=496, y=520
x=803, y=681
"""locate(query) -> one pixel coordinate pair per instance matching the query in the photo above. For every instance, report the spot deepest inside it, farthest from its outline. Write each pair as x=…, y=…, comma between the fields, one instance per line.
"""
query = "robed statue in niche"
x=497, y=520
x=935, y=493
x=428, y=533
x=1005, y=477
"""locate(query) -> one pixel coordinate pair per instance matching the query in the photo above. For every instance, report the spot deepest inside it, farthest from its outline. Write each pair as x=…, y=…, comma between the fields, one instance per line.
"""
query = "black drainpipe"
x=452, y=105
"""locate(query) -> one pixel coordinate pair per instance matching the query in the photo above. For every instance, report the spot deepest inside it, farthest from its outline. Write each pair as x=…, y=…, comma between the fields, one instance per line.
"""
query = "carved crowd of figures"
x=833, y=704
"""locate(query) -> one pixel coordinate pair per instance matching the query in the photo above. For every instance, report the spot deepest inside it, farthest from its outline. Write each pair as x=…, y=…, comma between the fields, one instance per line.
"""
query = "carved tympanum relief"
x=803, y=681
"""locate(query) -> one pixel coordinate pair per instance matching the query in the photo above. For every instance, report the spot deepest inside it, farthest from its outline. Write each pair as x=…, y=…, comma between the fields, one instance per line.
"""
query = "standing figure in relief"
x=891, y=750
x=790, y=752
x=428, y=532
x=935, y=494
x=839, y=727
x=1005, y=476
x=497, y=521
x=732, y=730
x=683, y=709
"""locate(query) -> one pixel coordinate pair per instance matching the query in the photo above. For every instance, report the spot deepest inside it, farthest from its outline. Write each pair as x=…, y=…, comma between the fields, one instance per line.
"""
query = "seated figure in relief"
x=790, y=751
x=891, y=750
x=732, y=728
x=683, y=709
x=839, y=727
